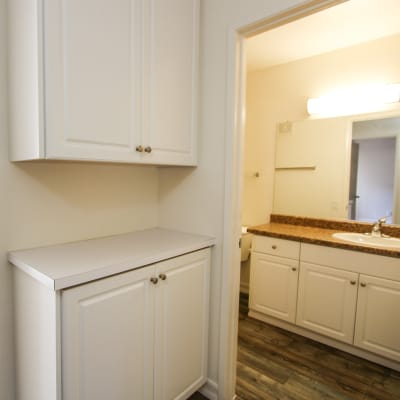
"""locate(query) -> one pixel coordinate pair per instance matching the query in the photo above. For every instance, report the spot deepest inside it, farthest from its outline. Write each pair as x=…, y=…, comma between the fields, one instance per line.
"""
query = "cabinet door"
x=107, y=338
x=171, y=76
x=327, y=301
x=181, y=325
x=92, y=78
x=273, y=286
x=378, y=316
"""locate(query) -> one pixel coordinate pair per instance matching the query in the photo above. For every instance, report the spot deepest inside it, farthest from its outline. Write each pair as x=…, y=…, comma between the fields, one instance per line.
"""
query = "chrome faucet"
x=377, y=227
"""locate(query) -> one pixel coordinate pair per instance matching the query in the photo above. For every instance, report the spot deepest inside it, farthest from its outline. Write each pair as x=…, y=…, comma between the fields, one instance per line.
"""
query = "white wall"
x=259, y=156
x=280, y=93
x=44, y=203
x=195, y=200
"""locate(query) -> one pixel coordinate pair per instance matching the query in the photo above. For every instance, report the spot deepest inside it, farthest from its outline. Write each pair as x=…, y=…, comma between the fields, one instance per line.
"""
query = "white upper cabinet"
x=170, y=97
x=103, y=80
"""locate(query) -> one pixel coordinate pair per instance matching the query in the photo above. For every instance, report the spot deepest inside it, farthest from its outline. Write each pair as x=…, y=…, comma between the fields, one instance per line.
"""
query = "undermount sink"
x=363, y=238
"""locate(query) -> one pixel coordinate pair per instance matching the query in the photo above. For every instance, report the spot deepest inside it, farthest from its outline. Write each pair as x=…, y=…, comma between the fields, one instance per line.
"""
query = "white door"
x=171, y=79
x=327, y=301
x=93, y=78
x=181, y=325
x=273, y=286
x=378, y=316
x=107, y=338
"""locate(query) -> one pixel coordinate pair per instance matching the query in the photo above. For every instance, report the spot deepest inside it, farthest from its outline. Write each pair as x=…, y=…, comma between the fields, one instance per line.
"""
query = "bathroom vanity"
x=344, y=295
x=121, y=317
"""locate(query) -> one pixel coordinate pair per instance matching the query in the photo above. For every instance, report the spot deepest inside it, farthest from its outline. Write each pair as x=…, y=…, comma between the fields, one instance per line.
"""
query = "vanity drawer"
x=276, y=247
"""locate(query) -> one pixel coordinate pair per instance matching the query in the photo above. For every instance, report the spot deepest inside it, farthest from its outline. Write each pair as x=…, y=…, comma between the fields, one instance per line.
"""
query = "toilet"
x=246, y=239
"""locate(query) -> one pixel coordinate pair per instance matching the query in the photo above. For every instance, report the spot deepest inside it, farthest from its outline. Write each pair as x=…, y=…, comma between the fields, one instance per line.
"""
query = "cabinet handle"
x=154, y=280
x=353, y=282
x=363, y=284
x=274, y=247
x=163, y=277
x=148, y=149
x=139, y=149
x=294, y=269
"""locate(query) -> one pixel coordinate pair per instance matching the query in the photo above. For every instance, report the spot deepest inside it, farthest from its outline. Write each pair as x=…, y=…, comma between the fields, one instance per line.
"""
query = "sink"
x=363, y=238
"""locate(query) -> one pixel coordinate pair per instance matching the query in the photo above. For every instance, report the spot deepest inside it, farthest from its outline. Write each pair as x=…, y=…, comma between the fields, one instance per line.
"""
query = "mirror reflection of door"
x=372, y=191
x=353, y=196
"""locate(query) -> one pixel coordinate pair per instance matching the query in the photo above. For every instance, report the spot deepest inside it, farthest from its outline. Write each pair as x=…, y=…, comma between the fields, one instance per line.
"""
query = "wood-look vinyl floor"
x=276, y=364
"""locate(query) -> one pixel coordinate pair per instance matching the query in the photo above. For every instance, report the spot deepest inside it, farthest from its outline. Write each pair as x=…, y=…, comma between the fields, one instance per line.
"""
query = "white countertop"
x=64, y=265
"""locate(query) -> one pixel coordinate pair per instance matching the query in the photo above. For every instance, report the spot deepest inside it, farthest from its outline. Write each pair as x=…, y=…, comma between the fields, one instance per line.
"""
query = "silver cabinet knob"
x=163, y=277
x=294, y=269
x=274, y=247
x=148, y=149
x=139, y=149
x=154, y=280
x=363, y=284
x=353, y=282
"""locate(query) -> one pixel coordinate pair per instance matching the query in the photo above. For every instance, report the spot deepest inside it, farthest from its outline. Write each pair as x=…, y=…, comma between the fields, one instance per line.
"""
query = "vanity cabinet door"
x=181, y=325
x=107, y=338
x=378, y=316
x=327, y=301
x=273, y=286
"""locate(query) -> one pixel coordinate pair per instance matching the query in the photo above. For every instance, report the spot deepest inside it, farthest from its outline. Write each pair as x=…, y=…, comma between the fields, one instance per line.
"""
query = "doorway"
x=372, y=179
x=254, y=173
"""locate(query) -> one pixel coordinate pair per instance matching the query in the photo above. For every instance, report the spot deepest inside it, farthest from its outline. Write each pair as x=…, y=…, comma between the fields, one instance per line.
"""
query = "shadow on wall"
x=52, y=202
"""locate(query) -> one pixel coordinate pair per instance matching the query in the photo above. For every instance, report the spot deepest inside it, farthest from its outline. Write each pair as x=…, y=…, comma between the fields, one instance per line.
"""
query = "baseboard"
x=326, y=340
x=210, y=390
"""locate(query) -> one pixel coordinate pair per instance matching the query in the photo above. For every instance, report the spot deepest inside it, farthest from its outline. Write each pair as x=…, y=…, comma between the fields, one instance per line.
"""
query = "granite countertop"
x=317, y=235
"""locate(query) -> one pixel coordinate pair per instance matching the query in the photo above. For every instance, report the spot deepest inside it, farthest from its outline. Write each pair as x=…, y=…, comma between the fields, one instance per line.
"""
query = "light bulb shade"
x=355, y=101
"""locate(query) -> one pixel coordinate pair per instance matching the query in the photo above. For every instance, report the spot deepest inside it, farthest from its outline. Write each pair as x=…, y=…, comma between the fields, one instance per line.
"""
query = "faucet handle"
x=382, y=220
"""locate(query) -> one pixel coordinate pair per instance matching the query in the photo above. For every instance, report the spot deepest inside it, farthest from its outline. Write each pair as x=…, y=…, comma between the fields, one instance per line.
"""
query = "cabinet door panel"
x=92, y=76
x=107, y=338
x=273, y=286
x=181, y=330
x=378, y=317
x=172, y=48
x=327, y=301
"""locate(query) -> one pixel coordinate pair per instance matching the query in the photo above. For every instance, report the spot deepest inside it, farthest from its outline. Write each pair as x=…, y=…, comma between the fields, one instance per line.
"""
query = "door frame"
x=234, y=146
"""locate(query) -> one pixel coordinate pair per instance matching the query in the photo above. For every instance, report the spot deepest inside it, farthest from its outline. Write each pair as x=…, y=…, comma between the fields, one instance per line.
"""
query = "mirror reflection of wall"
x=373, y=191
x=337, y=168
x=375, y=180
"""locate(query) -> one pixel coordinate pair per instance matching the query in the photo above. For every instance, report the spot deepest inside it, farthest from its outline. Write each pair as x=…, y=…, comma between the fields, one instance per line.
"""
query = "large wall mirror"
x=344, y=167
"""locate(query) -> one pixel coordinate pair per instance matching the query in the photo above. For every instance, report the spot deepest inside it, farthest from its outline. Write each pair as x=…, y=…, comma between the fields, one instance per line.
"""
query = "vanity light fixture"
x=355, y=101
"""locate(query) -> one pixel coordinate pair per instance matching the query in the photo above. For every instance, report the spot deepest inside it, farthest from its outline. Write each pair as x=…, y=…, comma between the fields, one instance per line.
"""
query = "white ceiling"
x=344, y=25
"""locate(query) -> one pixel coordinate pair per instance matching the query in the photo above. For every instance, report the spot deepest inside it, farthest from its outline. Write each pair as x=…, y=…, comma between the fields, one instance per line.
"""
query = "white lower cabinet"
x=327, y=301
x=273, y=283
x=107, y=338
x=138, y=335
x=181, y=326
x=378, y=316
x=328, y=293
